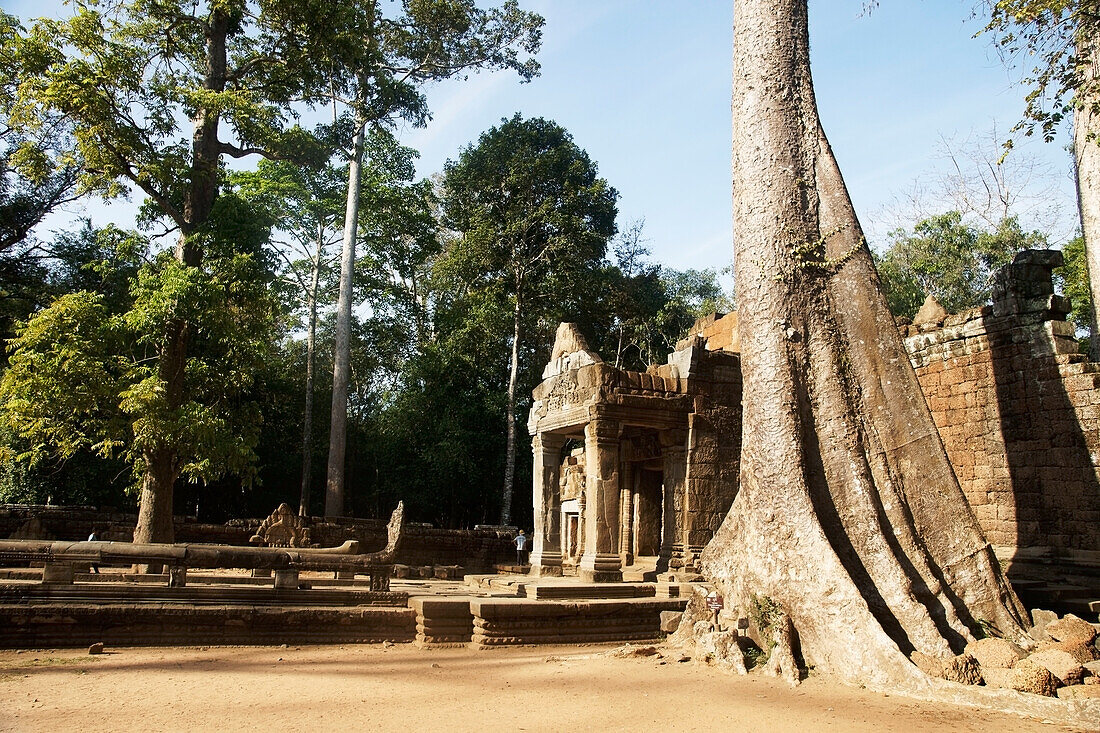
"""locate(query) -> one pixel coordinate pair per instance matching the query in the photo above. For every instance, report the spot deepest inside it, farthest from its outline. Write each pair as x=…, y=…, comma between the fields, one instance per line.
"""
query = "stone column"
x=626, y=516
x=674, y=477
x=601, y=562
x=546, y=547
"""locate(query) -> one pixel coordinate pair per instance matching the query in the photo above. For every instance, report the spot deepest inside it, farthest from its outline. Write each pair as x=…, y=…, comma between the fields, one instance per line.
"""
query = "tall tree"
x=535, y=219
x=849, y=518
x=126, y=73
x=1062, y=39
x=307, y=203
x=381, y=61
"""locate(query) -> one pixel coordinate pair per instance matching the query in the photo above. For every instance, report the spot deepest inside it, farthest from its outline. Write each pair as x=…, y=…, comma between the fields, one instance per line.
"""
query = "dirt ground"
x=391, y=688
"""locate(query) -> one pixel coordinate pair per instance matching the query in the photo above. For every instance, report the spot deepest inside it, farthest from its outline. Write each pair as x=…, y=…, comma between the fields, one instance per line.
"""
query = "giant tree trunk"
x=1086, y=152
x=341, y=372
x=849, y=515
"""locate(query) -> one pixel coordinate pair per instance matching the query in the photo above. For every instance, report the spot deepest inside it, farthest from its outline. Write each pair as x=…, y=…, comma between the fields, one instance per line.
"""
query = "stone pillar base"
x=57, y=572
x=600, y=576
x=286, y=579
x=600, y=568
x=546, y=564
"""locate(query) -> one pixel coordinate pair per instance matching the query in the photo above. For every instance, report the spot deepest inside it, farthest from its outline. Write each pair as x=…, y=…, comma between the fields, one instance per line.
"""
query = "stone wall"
x=474, y=550
x=713, y=442
x=1019, y=412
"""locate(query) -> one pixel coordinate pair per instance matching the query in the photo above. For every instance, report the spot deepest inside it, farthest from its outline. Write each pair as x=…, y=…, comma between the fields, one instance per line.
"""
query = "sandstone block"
x=1040, y=618
x=995, y=653
x=1077, y=692
x=96, y=648
x=1060, y=664
x=1071, y=628
x=1078, y=650
x=1024, y=677
x=963, y=669
x=670, y=621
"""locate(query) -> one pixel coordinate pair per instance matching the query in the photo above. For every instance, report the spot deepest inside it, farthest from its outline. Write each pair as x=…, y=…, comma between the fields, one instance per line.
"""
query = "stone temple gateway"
x=633, y=467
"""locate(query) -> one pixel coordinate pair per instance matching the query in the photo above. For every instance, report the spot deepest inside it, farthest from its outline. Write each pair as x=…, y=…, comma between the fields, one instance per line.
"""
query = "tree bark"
x=311, y=341
x=1086, y=153
x=510, y=449
x=849, y=515
x=341, y=373
x=155, y=512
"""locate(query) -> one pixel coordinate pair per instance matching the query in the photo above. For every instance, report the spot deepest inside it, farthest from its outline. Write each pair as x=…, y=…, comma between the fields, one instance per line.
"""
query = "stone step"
x=564, y=591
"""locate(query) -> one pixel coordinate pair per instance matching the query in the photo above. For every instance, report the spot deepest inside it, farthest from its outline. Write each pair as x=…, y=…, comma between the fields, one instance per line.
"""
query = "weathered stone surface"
x=1028, y=676
x=1071, y=628
x=1092, y=667
x=96, y=648
x=1060, y=664
x=1040, y=618
x=931, y=313
x=1079, y=692
x=670, y=621
x=719, y=648
x=928, y=664
x=995, y=653
x=1079, y=650
x=962, y=669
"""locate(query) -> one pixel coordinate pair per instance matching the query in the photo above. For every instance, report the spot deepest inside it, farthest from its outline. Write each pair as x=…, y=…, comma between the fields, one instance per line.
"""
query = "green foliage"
x=531, y=208
x=948, y=259
x=1053, y=35
x=83, y=377
x=764, y=614
x=1073, y=280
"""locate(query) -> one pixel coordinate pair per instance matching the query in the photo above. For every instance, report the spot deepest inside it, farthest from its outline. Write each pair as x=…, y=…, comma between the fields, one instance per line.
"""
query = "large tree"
x=127, y=74
x=535, y=219
x=384, y=55
x=849, y=519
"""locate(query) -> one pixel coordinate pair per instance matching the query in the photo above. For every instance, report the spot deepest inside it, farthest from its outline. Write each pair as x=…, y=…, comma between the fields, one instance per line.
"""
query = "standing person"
x=521, y=548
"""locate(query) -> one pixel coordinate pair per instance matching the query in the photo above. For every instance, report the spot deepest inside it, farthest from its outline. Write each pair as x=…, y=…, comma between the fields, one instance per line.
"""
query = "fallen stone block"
x=1026, y=676
x=1079, y=692
x=670, y=621
x=1060, y=664
x=1078, y=650
x=1071, y=628
x=995, y=653
x=1039, y=619
x=963, y=669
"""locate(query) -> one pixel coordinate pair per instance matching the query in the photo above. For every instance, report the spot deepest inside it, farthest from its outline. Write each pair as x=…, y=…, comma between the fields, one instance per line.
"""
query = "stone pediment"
x=570, y=352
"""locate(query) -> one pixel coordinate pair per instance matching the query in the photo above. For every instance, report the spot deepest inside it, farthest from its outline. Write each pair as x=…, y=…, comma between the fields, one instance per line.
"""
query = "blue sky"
x=644, y=87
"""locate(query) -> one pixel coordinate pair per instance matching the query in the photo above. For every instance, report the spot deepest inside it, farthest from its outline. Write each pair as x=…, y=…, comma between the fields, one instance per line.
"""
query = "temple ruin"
x=632, y=467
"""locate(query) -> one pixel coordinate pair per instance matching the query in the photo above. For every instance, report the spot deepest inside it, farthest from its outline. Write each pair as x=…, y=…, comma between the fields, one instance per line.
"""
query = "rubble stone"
x=1025, y=677
x=1071, y=628
x=1060, y=664
x=995, y=653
